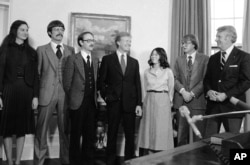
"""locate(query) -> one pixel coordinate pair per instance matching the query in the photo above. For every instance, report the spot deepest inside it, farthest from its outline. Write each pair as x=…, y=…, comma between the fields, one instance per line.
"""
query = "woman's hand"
x=1, y=104
x=34, y=103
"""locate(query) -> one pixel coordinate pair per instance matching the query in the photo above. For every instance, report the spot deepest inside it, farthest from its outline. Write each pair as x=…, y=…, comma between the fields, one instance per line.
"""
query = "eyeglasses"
x=89, y=40
x=186, y=43
x=58, y=29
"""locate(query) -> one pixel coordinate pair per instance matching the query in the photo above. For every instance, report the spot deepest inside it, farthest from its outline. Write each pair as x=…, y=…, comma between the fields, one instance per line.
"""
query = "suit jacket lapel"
x=116, y=63
x=129, y=66
x=231, y=58
x=195, y=69
x=66, y=51
x=79, y=64
x=51, y=55
x=95, y=66
x=196, y=64
x=184, y=64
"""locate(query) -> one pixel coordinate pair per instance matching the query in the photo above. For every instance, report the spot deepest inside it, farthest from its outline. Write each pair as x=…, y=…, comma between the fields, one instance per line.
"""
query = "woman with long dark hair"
x=18, y=88
x=156, y=131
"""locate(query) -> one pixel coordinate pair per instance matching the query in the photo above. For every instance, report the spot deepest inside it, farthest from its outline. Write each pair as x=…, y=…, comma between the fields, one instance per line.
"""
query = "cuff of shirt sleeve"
x=181, y=90
x=192, y=93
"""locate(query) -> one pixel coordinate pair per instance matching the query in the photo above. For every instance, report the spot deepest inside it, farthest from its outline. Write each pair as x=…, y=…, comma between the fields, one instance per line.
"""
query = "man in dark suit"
x=189, y=71
x=51, y=61
x=121, y=89
x=228, y=74
x=79, y=82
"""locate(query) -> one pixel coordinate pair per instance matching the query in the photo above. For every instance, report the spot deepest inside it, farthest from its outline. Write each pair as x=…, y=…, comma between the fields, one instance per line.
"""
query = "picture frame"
x=104, y=27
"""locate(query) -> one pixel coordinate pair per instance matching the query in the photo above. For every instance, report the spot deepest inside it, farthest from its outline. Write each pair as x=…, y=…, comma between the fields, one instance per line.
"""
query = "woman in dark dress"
x=18, y=88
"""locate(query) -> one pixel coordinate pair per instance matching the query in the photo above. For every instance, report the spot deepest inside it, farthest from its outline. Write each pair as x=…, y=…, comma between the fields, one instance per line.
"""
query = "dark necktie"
x=189, y=70
x=88, y=61
x=123, y=65
x=58, y=52
x=223, y=60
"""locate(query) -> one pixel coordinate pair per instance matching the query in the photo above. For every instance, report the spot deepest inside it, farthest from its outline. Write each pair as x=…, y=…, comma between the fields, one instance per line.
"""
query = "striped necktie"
x=189, y=71
x=223, y=60
x=189, y=61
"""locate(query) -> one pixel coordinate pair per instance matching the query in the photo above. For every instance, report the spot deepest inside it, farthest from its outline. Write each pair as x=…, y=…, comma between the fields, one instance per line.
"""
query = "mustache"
x=60, y=35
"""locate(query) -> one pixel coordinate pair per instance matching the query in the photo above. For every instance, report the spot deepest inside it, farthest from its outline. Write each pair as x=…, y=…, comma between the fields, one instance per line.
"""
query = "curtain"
x=190, y=17
x=246, y=47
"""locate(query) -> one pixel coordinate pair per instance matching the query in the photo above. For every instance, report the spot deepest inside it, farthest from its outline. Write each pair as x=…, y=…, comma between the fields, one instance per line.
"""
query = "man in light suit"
x=121, y=89
x=79, y=79
x=228, y=74
x=51, y=61
x=189, y=71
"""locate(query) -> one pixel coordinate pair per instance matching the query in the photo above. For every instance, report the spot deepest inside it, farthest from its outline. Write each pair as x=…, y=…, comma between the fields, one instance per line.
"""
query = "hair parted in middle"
x=54, y=23
x=163, y=60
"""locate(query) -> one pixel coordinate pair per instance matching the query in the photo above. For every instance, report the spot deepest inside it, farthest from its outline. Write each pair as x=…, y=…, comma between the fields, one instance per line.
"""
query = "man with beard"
x=79, y=81
x=51, y=61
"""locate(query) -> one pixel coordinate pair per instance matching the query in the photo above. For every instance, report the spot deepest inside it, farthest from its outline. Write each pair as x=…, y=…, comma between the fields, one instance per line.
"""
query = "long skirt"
x=156, y=131
x=17, y=114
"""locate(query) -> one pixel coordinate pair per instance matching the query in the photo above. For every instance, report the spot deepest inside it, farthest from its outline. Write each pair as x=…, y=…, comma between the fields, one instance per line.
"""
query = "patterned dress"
x=156, y=132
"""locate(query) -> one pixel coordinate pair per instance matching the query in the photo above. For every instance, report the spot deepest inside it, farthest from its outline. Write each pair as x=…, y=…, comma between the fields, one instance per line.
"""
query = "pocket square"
x=233, y=66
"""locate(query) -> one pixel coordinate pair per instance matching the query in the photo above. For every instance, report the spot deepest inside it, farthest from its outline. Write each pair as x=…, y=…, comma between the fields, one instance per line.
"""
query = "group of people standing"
x=54, y=78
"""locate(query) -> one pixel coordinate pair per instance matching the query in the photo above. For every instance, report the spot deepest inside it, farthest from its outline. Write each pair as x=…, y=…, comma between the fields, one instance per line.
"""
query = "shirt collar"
x=85, y=54
x=229, y=50
x=54, y=45
x=119, y=54
x=192, y=55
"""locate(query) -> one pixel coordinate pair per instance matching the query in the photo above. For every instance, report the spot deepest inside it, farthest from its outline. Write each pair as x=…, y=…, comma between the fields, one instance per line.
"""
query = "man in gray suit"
x=79, y=81
x=51, y=61
x=189, y=71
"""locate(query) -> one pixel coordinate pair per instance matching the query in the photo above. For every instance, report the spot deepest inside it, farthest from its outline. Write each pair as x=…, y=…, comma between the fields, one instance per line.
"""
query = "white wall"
x=150, y=20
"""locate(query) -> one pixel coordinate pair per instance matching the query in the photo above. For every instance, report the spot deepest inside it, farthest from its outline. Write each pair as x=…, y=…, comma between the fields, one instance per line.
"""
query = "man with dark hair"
x=189, y=71
x=79, y=80
x=228, y=75
x=121, y=89
x=51, y=61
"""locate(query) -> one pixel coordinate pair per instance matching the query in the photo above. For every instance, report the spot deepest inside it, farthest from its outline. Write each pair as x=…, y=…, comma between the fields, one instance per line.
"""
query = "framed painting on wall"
x=104, y=27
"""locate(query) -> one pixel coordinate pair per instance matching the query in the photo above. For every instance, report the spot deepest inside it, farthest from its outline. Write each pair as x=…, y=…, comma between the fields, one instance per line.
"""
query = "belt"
x=154, y=91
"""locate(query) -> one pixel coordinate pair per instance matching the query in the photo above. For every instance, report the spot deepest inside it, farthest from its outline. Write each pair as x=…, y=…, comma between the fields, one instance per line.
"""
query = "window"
x=4, y=18
x=227, y=12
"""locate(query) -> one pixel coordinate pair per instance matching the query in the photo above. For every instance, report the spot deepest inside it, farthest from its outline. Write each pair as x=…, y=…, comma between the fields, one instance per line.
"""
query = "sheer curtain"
x=190, y=16
x=246, y=47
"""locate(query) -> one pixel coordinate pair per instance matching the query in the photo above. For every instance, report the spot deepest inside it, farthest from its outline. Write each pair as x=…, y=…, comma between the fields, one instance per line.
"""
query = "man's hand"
x=212, y=95
x=34, y=103
x=138, y=111
x=187, y=96
x=221, y=97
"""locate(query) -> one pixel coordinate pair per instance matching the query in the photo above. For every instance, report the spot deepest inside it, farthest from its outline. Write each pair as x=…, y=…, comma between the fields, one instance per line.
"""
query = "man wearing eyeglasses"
x=79, y=81
x=51, y=61
x=189, y=71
